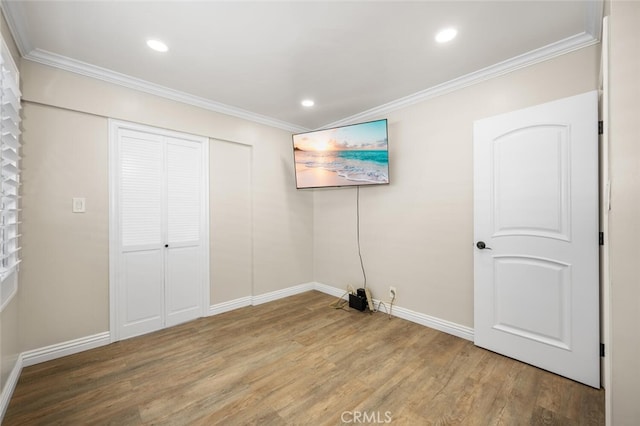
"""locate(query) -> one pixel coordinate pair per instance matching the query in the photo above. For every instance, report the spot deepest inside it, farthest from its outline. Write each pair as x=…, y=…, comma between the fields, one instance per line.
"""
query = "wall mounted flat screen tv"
x=351, y=155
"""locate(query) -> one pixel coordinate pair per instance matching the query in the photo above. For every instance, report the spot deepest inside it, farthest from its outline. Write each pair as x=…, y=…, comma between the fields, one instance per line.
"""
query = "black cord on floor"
x=364, y=275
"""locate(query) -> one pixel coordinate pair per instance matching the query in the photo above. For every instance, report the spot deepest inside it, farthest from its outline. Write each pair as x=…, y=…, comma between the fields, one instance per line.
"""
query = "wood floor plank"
x=297, y=361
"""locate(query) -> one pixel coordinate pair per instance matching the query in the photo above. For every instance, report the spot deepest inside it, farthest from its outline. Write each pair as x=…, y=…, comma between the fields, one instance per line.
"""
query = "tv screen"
x=342, y=156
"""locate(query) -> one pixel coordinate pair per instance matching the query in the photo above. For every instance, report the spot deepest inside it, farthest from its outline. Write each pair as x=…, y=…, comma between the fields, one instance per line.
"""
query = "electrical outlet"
x=392, y=292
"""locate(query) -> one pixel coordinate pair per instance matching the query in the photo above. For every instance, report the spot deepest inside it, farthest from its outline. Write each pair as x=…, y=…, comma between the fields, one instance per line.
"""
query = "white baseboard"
x=242, y=302
x=445, y=326
x=48, y=353
x=70, y=347
x=279, y=294
x=223, y=307
x=10, y=386
x=333, y=291
x=58, y=350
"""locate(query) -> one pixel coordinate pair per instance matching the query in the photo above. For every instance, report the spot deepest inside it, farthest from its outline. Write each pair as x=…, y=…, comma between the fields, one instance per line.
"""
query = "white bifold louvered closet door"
x=160, y=200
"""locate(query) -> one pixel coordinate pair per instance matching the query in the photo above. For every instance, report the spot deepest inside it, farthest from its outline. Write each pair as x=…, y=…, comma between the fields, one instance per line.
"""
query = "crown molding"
x=591, y=35
x=18, y=25
x=99, y=73
x=542, y=54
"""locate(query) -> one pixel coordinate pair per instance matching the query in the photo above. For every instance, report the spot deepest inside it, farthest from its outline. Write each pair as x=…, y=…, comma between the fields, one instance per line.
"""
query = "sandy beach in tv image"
x=350, y=155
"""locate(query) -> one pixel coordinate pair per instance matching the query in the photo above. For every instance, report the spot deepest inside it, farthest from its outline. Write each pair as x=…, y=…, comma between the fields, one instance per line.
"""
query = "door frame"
x=605, y=207
x=114, y=215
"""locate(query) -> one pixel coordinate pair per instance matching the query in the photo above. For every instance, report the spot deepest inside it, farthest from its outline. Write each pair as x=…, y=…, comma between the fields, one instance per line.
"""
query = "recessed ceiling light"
x=446, y=35
x=157, y=45
x=307, y=103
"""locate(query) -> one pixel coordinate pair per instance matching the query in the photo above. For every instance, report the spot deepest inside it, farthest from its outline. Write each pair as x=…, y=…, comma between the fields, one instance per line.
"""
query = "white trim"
x=17, y=24
x=69, y=347
x=252, y=216
x=545, y=53
x=605, y=207
x=243, y=302
x=10, y=386
x=114, y=230
x=204, y=226
x=333, y=291
x=88, y=70
x=445, y=326
x=569, y=44
x=220, y=308
x=279, y=294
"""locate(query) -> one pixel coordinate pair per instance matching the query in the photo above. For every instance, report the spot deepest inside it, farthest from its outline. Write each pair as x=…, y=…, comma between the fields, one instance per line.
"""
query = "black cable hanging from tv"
x=364, y=275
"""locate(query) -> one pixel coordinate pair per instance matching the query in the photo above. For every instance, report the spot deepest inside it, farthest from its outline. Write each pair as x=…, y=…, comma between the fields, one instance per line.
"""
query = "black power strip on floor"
x=359, y=300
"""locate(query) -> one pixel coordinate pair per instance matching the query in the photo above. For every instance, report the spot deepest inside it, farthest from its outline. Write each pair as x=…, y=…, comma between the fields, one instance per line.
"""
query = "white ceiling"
x=259, y=59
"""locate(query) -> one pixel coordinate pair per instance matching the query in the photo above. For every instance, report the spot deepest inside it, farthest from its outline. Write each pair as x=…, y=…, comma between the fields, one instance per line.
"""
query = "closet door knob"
x=166, y=245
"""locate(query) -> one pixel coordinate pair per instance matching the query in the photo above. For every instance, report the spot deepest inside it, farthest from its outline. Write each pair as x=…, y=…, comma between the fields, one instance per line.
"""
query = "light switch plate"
x=79, y=205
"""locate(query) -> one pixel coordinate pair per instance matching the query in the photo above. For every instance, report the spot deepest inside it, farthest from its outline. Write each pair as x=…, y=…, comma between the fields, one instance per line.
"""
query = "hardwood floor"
x=296, y=361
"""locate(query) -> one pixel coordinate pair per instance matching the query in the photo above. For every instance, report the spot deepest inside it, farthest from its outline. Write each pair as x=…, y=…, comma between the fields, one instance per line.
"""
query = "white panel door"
x=536, y=295
x=184, y=231
x=141, y=253
x=158, y=229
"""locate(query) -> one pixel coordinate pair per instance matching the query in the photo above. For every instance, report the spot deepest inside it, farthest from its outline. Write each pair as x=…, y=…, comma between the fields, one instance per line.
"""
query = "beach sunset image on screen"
x=342, y=156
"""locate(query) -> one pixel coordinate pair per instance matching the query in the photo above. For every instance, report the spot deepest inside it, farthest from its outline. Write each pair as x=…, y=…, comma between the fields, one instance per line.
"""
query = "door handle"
x=482, y=246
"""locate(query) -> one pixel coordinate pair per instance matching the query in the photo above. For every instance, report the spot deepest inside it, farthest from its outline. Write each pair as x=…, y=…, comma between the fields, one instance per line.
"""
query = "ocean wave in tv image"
x=371, y=166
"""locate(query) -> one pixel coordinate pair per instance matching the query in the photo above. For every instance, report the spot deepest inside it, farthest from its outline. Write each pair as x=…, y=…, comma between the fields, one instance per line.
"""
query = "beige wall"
x=9, y=333
x=625, y=210
x=417, y=233
x=64, y=286
x=231, y=201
